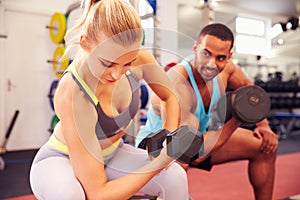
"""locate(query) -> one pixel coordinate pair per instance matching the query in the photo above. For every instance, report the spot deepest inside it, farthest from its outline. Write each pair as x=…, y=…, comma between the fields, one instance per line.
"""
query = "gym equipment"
x=144, y=96
x=72, y=7
x=59, y=64
x=57, y=27
x=53, y=123
x=248, y=104
x=7, y=134
x=51, y=93
x=170, y=65
x=153, y=5
x=185, y=144
x=145, y=196
x=154, y=142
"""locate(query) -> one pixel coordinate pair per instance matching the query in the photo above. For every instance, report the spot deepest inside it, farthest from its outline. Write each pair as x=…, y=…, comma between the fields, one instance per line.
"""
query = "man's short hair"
x=218, y=30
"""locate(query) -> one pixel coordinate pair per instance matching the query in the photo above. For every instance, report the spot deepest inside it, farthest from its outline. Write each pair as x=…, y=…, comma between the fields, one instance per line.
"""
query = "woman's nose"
x=117, y=72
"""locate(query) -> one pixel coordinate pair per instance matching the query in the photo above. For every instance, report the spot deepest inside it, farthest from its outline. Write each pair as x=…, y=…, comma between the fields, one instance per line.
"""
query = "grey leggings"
x=52, y=177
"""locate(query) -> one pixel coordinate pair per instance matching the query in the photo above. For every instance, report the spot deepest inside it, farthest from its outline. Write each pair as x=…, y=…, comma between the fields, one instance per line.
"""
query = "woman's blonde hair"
x=113, y=18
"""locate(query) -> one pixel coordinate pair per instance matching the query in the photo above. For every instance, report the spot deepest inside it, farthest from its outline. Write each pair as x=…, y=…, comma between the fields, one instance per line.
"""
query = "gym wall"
x=26, y=76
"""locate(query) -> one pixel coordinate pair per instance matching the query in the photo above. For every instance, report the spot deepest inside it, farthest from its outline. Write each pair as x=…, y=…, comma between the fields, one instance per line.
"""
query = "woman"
x=96, y=100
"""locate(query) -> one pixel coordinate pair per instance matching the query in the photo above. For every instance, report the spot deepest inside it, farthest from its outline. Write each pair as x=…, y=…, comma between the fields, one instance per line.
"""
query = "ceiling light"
x=275, y=31
x=288, y=25
x=280, y=41
x=283, y=26
x=294, y=23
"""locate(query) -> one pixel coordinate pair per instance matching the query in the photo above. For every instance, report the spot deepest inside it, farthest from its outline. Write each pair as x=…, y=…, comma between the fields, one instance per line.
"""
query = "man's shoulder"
x=178, y=72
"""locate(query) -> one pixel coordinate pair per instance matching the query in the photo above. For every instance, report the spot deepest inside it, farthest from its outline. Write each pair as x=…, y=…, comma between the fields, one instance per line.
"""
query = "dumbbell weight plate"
x=58, y=26
x=185, y=144
x=2, y=163
x=52, y=90
x=59, y=64
x=155, y=141
x=53, y=123
x=250, y=104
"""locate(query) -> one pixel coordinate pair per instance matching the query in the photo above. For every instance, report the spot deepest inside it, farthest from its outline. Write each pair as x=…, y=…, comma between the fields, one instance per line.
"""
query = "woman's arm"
x=161, y=85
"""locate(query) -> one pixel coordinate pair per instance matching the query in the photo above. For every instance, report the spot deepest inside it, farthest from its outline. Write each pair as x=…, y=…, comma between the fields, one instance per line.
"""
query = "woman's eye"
x=105, y=64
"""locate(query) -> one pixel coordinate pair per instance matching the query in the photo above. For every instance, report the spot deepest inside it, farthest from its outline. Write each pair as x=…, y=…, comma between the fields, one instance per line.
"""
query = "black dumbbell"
x=185, y=144
x=248, y=104
x=154, y=142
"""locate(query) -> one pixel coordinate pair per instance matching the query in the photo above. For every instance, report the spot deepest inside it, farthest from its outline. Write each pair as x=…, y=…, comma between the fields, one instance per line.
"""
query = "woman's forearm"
x=172, y=113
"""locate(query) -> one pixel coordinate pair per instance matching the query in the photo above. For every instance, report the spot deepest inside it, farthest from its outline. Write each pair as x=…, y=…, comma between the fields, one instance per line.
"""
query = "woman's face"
x=108, y=61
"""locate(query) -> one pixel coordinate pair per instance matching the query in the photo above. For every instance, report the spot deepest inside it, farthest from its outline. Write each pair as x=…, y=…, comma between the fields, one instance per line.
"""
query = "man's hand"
x=270, y=139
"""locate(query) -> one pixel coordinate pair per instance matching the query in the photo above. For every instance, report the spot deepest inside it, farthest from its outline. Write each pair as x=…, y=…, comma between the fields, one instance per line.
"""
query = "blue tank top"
x=203, y=117
x=109, y=126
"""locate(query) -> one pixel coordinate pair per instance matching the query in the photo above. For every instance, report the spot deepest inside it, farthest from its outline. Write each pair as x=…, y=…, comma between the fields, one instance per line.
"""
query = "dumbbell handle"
x=155, y=141
x=185, y=144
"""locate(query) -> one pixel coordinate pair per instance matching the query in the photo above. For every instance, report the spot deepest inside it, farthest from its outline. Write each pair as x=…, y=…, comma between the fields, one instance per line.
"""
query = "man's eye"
x=206, y=54
x=221, y=58
x=128, y=64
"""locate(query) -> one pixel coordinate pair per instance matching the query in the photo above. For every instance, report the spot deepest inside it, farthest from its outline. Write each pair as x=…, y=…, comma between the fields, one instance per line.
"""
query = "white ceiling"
x=277, y=10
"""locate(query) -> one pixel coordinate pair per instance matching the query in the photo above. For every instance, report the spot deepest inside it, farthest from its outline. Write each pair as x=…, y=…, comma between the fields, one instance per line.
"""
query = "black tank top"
x=109, y=126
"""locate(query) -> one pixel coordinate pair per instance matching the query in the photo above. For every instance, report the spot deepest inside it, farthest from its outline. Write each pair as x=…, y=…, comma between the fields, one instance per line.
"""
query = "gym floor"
x=227, y=181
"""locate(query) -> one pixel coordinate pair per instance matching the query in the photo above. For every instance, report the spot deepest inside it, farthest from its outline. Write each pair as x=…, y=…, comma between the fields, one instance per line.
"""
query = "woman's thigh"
x=170, y=183
x=53, y=178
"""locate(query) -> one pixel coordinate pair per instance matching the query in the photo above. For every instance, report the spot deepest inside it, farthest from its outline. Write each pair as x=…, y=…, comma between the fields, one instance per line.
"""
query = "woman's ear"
x=84, y=43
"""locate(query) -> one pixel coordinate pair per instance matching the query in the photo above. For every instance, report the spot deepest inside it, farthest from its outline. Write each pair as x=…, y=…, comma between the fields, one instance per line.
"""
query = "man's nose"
x=211, y=63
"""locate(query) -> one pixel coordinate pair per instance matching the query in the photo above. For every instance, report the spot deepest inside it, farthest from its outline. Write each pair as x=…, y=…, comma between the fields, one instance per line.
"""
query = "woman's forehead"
x=110, y=50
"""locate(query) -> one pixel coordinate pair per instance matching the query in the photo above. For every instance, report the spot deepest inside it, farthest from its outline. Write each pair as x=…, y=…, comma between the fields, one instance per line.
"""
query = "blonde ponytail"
x=111, y=18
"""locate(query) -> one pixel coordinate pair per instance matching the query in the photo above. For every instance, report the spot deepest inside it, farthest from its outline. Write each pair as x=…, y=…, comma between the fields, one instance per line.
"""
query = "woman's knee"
x=71, y=190
x=53, y=190
x=50, y=180
x=175, y=182
x=176, y=177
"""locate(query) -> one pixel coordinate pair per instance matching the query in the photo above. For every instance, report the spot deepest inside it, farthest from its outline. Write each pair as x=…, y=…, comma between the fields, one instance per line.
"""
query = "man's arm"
x=214, y=139
x=235, y=78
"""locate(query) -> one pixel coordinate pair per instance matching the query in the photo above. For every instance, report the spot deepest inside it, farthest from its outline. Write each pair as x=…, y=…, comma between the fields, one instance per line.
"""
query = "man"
x=201, y=80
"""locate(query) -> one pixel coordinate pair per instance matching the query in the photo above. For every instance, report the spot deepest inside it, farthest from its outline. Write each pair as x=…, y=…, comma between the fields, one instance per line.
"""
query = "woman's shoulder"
x=64, y=91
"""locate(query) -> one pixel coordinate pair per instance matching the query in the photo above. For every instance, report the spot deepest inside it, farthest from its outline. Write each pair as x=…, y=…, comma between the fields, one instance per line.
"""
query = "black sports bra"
x=109, y=126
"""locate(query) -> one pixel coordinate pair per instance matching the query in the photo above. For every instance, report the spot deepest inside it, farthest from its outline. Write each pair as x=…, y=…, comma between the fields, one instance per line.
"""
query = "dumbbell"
x=248, y=104
x=154, y=142
x=185, y=144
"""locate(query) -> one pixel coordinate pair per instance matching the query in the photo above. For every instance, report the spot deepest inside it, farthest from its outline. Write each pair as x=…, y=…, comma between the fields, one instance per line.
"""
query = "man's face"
x=211, y=56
